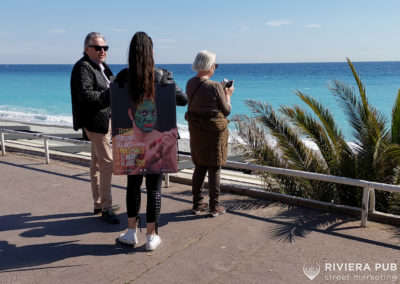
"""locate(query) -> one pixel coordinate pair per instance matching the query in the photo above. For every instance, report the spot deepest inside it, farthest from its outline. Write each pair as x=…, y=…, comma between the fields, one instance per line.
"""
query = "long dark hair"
x=141, y=68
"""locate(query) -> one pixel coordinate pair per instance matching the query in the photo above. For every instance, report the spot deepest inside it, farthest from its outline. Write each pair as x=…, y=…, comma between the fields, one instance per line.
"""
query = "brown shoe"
x=199, y=208
x=219, y=210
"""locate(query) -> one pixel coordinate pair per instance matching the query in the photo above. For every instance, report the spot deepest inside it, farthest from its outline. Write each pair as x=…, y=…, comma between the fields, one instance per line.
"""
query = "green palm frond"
x=396, y=120
x=252, y=135
x=376, y=157
x=293, y=148
x=378, y=123
x=336, y=137
x=368, y=124
x=373, y=121
x=324, y=116
x=255, y=142
x=361, y=87
x=374, y=139
x=350, y=103
x=393, y=151
x=310, y=128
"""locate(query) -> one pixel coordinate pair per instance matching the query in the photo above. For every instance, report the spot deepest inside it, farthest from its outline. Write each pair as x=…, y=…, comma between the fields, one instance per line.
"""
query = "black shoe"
x=114, y=208
x=109, y=217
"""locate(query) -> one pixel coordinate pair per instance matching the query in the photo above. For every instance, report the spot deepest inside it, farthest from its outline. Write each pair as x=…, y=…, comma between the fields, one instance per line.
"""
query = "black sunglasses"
x=99, y=47
x=216, y=66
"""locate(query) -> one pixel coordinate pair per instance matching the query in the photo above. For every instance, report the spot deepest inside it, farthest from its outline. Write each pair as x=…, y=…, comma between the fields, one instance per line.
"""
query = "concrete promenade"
x=48, y=234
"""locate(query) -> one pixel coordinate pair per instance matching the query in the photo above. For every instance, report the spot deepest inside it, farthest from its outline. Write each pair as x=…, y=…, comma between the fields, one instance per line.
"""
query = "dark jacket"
x=161, y=76
x=90, y=96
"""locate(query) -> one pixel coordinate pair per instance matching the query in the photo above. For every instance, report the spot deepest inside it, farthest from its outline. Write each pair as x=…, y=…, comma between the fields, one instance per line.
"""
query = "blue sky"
x=52, y=31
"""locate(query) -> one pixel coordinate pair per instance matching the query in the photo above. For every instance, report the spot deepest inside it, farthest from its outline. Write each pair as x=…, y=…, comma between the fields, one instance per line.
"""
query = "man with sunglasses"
x=90, y=80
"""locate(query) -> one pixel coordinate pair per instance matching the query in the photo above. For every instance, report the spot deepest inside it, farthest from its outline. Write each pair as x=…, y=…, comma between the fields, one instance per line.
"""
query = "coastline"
x=41, y=93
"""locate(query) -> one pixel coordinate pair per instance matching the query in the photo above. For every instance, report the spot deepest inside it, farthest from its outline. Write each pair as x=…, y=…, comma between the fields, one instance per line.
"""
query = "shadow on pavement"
x=303, y=221
x=13, y=258
x=55, y=225
x=76, y=176
x=297, y=222
x=291, y=223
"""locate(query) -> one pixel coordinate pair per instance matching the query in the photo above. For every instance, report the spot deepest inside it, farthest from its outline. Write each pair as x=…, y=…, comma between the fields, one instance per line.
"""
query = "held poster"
x=144, y=136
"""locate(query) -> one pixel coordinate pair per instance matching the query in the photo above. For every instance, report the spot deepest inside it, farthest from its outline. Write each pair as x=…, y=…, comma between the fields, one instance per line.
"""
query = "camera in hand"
x=227, y=83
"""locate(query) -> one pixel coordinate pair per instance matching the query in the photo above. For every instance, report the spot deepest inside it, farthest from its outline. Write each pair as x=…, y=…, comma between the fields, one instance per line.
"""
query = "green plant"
x=374, y=156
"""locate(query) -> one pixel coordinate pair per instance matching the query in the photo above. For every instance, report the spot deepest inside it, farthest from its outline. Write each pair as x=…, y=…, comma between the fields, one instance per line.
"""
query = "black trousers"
x=213, y=184
x=133, y=196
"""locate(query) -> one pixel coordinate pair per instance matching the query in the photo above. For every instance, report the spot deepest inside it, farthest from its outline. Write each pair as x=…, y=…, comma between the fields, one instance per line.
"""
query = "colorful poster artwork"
x=142, y=142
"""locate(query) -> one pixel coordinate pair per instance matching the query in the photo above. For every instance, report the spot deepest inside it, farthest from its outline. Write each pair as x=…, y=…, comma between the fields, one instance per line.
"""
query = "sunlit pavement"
x=48, y=234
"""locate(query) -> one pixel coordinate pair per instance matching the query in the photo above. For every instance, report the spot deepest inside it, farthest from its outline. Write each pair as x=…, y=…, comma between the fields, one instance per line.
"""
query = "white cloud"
x=57, y=31
x=277, y=23
x=313, y=26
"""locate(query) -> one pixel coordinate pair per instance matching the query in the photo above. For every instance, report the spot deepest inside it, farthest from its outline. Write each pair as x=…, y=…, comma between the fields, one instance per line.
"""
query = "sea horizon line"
x=226, y=63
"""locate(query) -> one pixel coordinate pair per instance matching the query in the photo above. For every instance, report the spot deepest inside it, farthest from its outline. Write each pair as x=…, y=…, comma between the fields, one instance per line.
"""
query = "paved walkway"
x=48, y=235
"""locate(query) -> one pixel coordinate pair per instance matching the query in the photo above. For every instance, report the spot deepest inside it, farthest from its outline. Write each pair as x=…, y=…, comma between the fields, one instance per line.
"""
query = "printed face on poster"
x=144, y=136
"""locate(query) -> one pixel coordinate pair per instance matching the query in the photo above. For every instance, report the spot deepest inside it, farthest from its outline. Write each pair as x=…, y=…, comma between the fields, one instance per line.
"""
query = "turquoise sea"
x=41, y=94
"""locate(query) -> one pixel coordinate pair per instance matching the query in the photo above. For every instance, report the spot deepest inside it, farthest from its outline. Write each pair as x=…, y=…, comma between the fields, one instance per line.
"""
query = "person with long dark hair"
x=140, y=78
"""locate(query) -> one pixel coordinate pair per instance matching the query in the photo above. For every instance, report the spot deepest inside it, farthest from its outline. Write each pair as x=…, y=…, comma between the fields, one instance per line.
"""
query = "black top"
x=161, y=76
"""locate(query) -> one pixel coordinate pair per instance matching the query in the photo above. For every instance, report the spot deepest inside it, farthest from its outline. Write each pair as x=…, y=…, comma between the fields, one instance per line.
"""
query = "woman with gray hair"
x=209, y=105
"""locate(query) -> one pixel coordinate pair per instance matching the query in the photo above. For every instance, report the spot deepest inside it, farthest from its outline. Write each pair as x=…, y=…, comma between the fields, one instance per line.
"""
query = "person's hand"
x=169, y=140
x=153, y=152
x=159, y=151
x=229, y=91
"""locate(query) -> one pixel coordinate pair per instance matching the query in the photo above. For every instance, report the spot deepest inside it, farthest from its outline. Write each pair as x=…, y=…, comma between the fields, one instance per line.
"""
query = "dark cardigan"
x=90, y=96
x=208, y=125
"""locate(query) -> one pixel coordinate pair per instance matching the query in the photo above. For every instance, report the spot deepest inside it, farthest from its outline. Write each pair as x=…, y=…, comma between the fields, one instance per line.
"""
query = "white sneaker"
x=153, y=241
x=128, y=238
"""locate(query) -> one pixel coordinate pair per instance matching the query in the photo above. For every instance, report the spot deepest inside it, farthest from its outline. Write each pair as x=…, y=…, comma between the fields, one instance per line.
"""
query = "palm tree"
x=375, y=155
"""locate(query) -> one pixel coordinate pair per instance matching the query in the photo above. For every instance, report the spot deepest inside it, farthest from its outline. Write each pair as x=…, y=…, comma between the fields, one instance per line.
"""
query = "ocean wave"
x=35, y=117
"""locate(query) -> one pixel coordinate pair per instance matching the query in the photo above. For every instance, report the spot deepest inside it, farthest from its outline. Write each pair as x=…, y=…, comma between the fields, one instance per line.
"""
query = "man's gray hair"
x=91, y=36
x=204, y=61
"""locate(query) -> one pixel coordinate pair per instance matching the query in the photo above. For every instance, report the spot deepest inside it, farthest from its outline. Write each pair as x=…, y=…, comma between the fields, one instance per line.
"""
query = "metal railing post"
x=3, y=144
x=166, y=180
x=364, y=206
x=372, y=200
x=46, y=150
